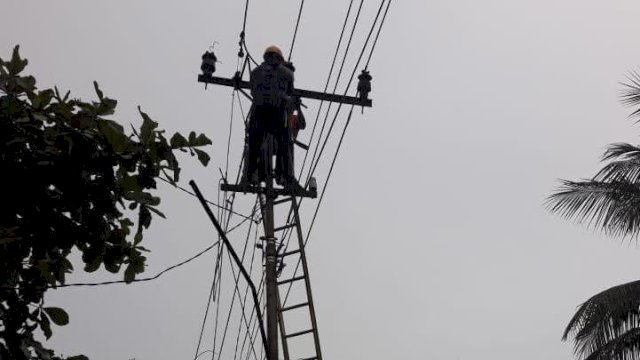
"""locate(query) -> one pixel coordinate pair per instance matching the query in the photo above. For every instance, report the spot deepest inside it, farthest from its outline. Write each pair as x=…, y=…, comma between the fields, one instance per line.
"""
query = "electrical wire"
x=246, y=293
x=134, y=280
x=288, y=232
x=317, y=160
x=236, y=289
x=244, y=22
x=295, y=32
x=206, y=313
x=339, y=144
x=318, y=152
x=208, y=201
x=344, y=58
x=375, y=41
x=233, y=101
x=217, y=316
x=326, y=86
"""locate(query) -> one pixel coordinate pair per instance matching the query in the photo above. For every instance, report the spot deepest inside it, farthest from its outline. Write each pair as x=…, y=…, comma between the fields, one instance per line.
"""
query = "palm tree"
x=607, y=326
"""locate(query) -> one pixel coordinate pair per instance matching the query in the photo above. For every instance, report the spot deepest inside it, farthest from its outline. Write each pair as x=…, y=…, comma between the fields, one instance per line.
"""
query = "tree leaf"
x=129, y=274
x=93, y=265
x=26, y=83
x=114, y=133
x=45, y=325
x=143, y=198
x=57, y=315
x=202, y=156
x=78, y=357
x=158, y=212
x=98, y=91
x=200, y=140
x=178, y=141
x=146, y=130
x=16, y=65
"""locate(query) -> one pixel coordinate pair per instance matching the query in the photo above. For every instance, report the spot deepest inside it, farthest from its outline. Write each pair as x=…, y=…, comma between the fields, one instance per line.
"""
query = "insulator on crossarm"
x=208, y=66
x=364, y=84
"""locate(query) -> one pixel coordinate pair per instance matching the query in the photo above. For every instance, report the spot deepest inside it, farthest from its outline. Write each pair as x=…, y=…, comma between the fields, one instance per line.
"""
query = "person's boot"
x=292, y=184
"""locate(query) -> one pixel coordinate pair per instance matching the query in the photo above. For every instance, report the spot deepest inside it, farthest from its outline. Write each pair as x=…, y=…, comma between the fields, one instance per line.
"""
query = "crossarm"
x=307, y=94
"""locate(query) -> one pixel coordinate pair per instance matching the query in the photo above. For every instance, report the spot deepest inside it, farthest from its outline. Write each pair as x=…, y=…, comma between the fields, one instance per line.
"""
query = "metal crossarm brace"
x=308, y=94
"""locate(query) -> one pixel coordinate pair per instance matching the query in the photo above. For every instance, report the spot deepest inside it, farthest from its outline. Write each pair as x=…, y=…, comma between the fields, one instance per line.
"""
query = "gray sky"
x=432, y=241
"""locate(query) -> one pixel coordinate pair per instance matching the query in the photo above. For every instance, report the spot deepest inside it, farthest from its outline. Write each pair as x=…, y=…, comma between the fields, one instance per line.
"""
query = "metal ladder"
x=294, y=256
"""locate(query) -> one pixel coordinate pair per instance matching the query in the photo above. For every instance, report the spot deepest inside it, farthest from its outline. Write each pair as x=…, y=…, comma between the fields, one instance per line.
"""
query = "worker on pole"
x=273, y=101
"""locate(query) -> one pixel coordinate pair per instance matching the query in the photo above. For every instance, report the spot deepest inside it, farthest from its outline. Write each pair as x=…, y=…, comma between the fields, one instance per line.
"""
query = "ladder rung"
x=290, y=280
x=293, y=307
x=284, y=227
x=292, y=252
x=283, y=200
x=299, y=333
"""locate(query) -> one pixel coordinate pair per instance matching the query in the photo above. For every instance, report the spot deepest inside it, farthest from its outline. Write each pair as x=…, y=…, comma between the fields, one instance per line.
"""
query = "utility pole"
x=270, y=194
x=270, y=273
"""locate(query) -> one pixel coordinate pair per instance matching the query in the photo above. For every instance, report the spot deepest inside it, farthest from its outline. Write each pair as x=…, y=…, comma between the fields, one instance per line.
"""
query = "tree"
x=72, y=180
x=607, y=326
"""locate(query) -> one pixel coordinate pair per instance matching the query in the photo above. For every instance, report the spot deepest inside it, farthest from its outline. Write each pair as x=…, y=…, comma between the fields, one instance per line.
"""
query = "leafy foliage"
x=607, y=326
x=70, y=180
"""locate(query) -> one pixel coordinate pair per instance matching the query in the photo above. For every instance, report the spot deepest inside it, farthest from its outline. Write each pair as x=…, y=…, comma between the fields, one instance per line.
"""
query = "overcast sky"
x=432, y=241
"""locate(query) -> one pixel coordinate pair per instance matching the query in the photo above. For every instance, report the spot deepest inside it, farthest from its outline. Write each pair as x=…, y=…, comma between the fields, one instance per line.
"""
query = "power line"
x=295, y=32
x=324, y=123
x=375, y=41
x=206, y=313
x=236, y=289
x=244, y=22
x=326, y=86
x=317, y=159
x=208, y=201
x=340, y=141
x=246, y=296
x=134, y=280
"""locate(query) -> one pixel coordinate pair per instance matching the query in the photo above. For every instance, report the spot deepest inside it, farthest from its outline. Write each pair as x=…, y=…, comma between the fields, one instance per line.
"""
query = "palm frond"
x=621, y=151
x=624, y=163
x=624, y=347
x=607, y=324
x=630, y=94
x=613, y=207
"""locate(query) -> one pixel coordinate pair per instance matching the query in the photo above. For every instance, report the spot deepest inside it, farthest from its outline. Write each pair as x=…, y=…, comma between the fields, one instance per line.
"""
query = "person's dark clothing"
x=272, y=84
x=271, y=89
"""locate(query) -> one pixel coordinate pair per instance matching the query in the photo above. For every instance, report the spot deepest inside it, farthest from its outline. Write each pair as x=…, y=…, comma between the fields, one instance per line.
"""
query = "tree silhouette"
x=72, y=180
x=607, y=326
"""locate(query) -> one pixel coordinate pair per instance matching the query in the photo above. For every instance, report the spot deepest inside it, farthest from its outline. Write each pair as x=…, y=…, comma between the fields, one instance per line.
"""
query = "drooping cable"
x=217, y=313
x=246, y=294
x=206, y=313
x=236, y=289
x=134, y=280
x=208, y=201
